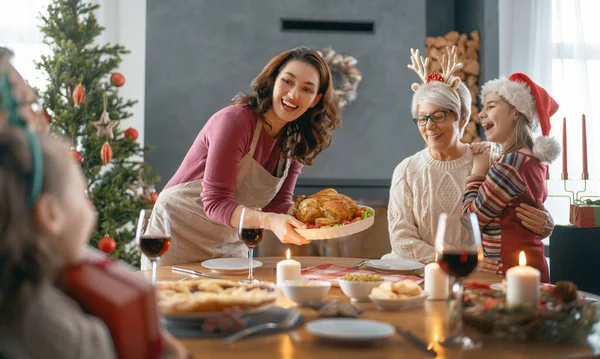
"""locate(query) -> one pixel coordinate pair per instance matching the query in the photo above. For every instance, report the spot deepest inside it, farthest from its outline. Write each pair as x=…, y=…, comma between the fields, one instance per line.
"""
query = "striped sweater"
x=514, y=179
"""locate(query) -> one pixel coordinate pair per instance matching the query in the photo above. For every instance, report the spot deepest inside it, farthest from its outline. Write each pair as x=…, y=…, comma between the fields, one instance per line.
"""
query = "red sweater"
x=514, y=179
x=215, y=158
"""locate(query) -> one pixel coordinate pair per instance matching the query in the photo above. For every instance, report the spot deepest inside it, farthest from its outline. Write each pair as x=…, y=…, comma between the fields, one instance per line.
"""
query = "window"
x=19, y=31
x=575, y=81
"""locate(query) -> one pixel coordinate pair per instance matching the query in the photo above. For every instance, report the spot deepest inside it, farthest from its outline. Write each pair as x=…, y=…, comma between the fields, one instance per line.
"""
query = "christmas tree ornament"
x=106, y=153
x=147, y=189
x=79, y=94
x=47, y=116
x=76, y=155
x=81, y=34
x=153, y=197
x=117, y=79
x=105, y=125
x=107, y=244
x=131, y=133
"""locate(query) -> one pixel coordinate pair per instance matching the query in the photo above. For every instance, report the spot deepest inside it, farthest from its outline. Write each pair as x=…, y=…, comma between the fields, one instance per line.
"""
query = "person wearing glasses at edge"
x=249, y=154
x=433, y=180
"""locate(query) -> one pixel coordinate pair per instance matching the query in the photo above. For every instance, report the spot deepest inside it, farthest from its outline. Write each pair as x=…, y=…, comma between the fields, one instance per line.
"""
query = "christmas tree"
x=82, y=104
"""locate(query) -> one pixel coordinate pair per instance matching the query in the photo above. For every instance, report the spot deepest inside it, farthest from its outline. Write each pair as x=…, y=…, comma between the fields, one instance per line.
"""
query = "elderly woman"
x=432, y=181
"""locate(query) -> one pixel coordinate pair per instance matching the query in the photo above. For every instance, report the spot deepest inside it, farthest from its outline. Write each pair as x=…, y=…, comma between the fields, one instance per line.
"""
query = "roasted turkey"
x=326, y=208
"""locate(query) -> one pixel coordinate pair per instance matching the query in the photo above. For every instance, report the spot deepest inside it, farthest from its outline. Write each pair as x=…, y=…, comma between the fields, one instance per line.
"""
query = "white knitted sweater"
x=422, y=188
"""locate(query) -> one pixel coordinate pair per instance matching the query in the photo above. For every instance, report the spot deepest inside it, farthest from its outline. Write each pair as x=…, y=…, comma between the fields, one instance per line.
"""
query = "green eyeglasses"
x=435, y=117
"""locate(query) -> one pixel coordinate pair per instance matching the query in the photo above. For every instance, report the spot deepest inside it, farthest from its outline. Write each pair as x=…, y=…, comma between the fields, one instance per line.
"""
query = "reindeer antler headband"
x=449, y=66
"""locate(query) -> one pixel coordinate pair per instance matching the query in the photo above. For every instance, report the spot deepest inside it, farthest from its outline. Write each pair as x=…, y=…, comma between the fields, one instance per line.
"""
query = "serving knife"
x=417, y=341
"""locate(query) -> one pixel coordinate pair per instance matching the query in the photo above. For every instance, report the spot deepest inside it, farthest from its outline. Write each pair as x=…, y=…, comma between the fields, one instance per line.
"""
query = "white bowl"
x=358, y=290
x=408, y=303
x=304, y=291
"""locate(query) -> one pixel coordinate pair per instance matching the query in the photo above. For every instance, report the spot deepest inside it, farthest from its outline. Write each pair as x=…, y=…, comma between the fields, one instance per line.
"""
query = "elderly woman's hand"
x=539, y=221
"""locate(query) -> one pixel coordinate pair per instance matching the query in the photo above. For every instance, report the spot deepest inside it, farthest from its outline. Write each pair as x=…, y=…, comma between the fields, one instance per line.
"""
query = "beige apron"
x=194, y=236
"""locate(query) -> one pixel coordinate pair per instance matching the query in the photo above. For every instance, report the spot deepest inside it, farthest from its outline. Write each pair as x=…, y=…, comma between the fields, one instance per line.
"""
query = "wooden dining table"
x=430, y=323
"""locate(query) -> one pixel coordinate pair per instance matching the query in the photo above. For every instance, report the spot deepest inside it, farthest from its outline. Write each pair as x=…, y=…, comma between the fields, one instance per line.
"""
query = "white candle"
x=436, y=282
x=288, y=269
x=523, y=284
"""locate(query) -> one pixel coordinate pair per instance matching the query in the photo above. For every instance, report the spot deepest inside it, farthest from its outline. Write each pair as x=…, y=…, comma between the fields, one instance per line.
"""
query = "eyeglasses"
x=435, y=117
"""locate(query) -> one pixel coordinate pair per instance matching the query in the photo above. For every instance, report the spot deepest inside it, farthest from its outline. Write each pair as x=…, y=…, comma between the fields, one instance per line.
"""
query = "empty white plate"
x=349, y=329
x=395, y=264
x=230, y=264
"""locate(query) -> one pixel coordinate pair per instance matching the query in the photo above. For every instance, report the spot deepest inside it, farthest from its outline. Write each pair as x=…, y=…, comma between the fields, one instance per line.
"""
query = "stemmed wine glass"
x=459, y=257
x=251, y=230
x=153, y=235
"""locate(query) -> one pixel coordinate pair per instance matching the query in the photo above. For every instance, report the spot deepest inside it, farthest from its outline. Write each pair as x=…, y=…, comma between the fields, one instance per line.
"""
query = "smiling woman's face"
x=442, y=136
x=295, y=90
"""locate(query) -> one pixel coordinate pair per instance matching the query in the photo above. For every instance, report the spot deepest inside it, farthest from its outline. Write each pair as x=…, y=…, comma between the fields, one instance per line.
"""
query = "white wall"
x=125, y=23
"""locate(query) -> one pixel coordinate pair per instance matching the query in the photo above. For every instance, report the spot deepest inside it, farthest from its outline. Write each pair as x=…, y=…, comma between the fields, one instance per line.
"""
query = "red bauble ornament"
x=76, y=155
x=117, y=79
x=107, y=245
x=106, y=153
x=79, y=94
x=47, y=116
x=153, y=197
x=131, y=133
x=435, y=77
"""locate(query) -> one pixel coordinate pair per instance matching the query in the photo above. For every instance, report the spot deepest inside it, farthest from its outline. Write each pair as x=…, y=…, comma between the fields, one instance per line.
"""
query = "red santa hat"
x=535, y=103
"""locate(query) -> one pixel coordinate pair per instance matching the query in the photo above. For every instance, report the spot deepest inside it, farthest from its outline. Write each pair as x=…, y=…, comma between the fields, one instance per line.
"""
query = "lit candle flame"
x=287, y=254
x=522, y=259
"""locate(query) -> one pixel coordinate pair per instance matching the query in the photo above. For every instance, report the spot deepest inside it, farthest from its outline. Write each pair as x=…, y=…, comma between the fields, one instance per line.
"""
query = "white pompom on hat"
x=535, y=103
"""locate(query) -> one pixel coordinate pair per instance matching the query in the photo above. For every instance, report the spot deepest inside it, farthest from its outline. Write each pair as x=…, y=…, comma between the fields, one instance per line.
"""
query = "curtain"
x=19, y=21
x=556, y=43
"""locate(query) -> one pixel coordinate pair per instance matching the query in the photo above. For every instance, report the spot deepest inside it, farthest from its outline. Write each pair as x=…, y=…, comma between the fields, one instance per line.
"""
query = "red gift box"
x=124, y=302
x=585, y=216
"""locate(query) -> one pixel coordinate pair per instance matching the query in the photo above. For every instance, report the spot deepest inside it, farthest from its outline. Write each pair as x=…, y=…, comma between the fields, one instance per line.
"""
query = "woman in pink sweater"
x=249, y=155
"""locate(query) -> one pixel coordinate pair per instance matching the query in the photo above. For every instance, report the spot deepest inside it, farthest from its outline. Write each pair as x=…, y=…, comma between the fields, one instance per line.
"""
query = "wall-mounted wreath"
x=346, y=76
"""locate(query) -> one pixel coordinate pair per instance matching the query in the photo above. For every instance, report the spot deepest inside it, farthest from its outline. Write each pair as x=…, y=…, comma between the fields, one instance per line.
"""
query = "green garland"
x=554, y=321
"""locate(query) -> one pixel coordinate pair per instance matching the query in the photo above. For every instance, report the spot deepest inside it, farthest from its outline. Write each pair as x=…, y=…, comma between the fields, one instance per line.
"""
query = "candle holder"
x=573, y=195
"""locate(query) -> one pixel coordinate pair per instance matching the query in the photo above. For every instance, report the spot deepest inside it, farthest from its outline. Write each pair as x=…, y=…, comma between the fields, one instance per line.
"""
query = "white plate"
x=497, y=286
x=348, y=329
x=336, y=232
x=229, y=264
x=400, y=304
x=395, y=264
x=502, y=286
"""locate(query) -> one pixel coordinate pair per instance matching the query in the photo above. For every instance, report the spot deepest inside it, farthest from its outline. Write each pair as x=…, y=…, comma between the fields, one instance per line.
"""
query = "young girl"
x=512, y=108
x=250, y=154
x=45, y=222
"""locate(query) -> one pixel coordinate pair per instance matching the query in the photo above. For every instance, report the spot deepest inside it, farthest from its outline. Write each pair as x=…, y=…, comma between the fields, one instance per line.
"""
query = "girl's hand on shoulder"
x=481, y=163
x=480, y=147
x=490, y=266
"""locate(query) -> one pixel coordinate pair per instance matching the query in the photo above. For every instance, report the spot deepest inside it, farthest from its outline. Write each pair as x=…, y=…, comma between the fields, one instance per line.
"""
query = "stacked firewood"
x=468, y=54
